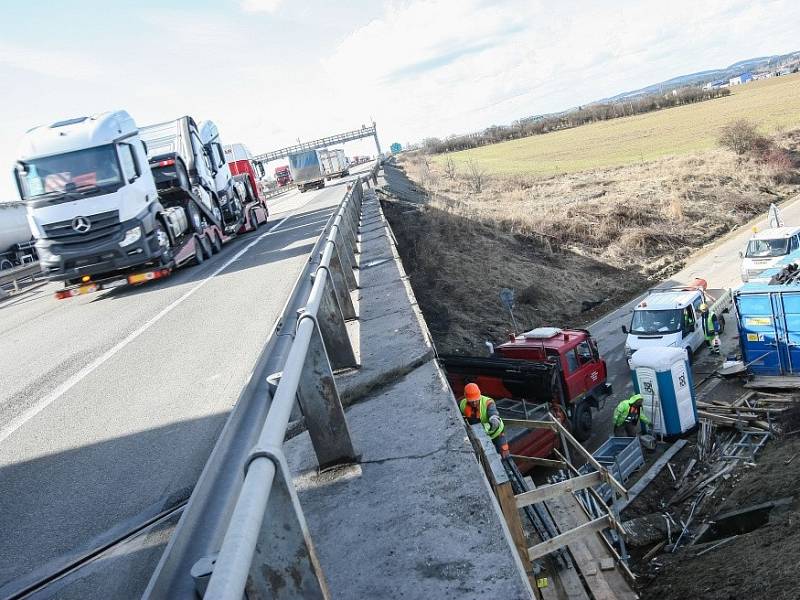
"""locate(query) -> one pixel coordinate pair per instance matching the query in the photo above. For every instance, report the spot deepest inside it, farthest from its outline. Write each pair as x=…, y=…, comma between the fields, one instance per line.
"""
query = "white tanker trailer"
x=16, y=245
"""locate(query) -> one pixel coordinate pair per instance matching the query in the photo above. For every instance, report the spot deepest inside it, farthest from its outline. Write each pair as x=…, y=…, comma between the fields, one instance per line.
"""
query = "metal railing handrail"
x=320, y=345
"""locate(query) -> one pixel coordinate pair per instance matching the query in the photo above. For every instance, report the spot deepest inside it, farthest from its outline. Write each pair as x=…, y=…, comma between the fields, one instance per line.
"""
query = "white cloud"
x=257, y=6
x=56, y=62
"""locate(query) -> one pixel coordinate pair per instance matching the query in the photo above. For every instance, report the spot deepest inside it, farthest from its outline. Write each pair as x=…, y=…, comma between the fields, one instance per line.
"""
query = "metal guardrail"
x=207, y=521
x=17, y=274
x=267, y=528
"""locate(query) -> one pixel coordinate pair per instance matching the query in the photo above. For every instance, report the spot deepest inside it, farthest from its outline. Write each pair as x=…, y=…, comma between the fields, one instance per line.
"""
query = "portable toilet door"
x=786, y=307
x=646, y=384
x=760, y=334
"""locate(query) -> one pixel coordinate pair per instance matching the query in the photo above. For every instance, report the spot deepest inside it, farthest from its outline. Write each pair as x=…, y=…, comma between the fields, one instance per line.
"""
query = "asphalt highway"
x=110, y=403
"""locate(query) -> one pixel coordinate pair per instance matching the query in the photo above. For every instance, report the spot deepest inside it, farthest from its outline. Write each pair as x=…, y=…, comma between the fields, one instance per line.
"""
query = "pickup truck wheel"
x=582, y=422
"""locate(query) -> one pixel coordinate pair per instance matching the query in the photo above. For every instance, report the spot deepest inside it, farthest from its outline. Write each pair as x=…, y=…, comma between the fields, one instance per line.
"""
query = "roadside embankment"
x=571, y=246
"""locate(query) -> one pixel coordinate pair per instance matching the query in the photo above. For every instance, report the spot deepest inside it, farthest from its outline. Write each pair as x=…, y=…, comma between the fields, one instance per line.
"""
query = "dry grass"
x=570, y=242
x=772, y=103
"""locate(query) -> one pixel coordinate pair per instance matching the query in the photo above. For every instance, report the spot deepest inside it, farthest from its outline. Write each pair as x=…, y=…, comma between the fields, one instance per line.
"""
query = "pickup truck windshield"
x=767, y=248
x=54, y=176
x=656, y=322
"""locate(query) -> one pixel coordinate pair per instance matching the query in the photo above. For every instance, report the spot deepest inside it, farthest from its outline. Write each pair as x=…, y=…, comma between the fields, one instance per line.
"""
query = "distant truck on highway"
x=545, y=369
x=306, y=170
x=246, y=173
x=16, y=245
x=334, y=163
x=670, y=317
x=111, y=204
x=282, y=175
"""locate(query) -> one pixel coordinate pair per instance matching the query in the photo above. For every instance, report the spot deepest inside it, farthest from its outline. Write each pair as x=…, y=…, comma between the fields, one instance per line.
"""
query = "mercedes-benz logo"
x=81, y=224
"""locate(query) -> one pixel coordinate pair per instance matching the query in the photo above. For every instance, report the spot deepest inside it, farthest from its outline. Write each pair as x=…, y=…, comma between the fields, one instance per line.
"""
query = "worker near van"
x=710, y=327
x=629, y=418
x=478, y=408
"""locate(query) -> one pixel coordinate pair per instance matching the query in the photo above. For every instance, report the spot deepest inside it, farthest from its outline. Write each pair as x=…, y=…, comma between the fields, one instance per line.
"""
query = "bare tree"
x=740, y=137
x=476, y=175
x=450, y=168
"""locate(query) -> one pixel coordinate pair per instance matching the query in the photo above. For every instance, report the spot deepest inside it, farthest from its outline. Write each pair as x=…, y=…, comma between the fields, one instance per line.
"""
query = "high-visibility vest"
x=483, y=415
x=709, y=330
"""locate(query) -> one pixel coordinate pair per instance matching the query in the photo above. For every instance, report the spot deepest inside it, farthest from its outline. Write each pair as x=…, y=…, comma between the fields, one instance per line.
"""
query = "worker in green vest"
x=711, y=327
x=478, y=408
x=629, y=418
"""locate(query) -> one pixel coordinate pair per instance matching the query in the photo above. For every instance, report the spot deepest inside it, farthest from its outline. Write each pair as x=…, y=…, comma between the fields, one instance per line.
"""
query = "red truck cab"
x=545, y=369
x=282, y=175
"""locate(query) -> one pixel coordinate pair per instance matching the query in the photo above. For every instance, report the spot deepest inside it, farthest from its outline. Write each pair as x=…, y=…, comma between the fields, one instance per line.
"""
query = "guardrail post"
x=341, y=286
x=333, y=329
x=321, y=405
x=285, y=564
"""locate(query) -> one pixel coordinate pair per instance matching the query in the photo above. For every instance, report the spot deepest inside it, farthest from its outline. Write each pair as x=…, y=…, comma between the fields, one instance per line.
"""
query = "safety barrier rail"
x=18, y=274
x=267, y=533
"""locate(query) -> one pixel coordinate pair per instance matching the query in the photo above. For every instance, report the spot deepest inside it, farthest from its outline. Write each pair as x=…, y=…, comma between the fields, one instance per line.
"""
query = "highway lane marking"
x=67, y=385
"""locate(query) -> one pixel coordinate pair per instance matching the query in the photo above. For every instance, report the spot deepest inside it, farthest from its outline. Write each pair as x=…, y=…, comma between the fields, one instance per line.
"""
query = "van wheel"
x=582, y=422
x=689, y=355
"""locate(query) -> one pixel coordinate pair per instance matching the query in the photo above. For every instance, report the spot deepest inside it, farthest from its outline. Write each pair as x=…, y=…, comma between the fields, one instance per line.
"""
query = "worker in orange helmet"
x=478, y=408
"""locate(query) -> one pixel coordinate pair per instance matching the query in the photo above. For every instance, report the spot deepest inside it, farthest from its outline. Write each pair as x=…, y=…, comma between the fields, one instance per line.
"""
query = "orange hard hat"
x=472, y=391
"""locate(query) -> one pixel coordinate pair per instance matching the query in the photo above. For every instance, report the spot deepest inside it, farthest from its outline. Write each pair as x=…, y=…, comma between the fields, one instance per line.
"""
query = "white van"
x=671, y=318
x=765, y=249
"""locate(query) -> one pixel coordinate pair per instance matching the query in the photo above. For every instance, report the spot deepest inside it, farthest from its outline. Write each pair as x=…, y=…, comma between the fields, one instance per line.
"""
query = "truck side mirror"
x=624, y=330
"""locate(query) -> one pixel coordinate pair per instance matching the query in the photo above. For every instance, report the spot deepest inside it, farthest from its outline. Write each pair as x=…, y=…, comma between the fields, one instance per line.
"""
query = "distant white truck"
x=765, y=249
x=334, y=163
x=670, y=317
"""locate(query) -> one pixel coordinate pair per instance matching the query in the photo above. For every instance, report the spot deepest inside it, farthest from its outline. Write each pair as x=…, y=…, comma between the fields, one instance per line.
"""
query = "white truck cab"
x=671, y=318
x=91, y=197
x=765, y=249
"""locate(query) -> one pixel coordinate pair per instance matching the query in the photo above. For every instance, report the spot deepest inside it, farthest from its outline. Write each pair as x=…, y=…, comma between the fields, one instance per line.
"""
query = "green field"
x=771, y=103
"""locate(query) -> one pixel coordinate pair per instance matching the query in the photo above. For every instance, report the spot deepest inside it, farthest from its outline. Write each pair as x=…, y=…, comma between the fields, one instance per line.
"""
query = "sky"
x=268, y=72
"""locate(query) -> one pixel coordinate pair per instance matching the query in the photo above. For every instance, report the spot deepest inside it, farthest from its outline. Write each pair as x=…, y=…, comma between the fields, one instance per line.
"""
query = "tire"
x=690, y=356
x=5, y=264
x=582, y=421
x=163, y=240
x=254, y=219
x=199, y=252
x=195, y=219
x=216, y=244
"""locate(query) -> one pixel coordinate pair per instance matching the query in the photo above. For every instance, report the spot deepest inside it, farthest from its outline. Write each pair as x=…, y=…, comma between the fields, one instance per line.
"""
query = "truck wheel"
x=216, y=244
x=163, y=241
x=582, y=422
x=5, y=264
x=195, y=219
x=199, y=253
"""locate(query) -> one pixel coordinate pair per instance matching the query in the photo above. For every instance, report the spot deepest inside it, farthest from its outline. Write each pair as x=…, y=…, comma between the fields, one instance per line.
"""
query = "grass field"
x=773, y=104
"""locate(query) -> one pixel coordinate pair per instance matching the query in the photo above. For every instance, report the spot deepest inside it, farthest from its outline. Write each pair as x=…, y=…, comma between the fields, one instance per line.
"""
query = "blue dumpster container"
x=664, y=379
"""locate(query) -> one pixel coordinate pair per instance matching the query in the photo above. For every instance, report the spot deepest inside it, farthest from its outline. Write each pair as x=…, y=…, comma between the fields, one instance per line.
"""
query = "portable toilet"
x=664, y=379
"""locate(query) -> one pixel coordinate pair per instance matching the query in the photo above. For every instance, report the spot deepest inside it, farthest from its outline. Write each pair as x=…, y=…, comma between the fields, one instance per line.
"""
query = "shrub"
x=740, y=137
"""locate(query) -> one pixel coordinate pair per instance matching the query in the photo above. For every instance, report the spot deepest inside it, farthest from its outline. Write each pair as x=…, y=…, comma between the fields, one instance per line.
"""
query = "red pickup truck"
x=545, y=369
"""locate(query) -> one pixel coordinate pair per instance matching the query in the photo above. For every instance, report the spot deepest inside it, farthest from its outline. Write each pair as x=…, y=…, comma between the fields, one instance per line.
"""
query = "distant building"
x=743, y=78
x=715, y=85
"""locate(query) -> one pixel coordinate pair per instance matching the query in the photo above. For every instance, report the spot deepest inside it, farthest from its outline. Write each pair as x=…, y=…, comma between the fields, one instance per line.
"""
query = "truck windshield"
x=654, y=322
x=83, y=170
x=767, y=248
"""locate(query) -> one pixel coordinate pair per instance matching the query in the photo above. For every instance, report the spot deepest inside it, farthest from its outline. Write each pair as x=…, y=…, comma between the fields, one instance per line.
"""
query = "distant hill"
x=754, y=65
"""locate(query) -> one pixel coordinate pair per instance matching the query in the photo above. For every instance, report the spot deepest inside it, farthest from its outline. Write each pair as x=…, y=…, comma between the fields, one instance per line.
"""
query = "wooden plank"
x=561, y=540
x=542, y=462
x=530, y=424
x=608, y=478
x=690, y=465
x=651, y=474
x=568, y=513
x=505, y=497
x=546, y=492
x=782, y=383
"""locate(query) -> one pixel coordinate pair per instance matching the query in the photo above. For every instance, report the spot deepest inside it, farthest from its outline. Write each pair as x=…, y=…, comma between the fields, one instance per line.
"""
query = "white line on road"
x=67, y=385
